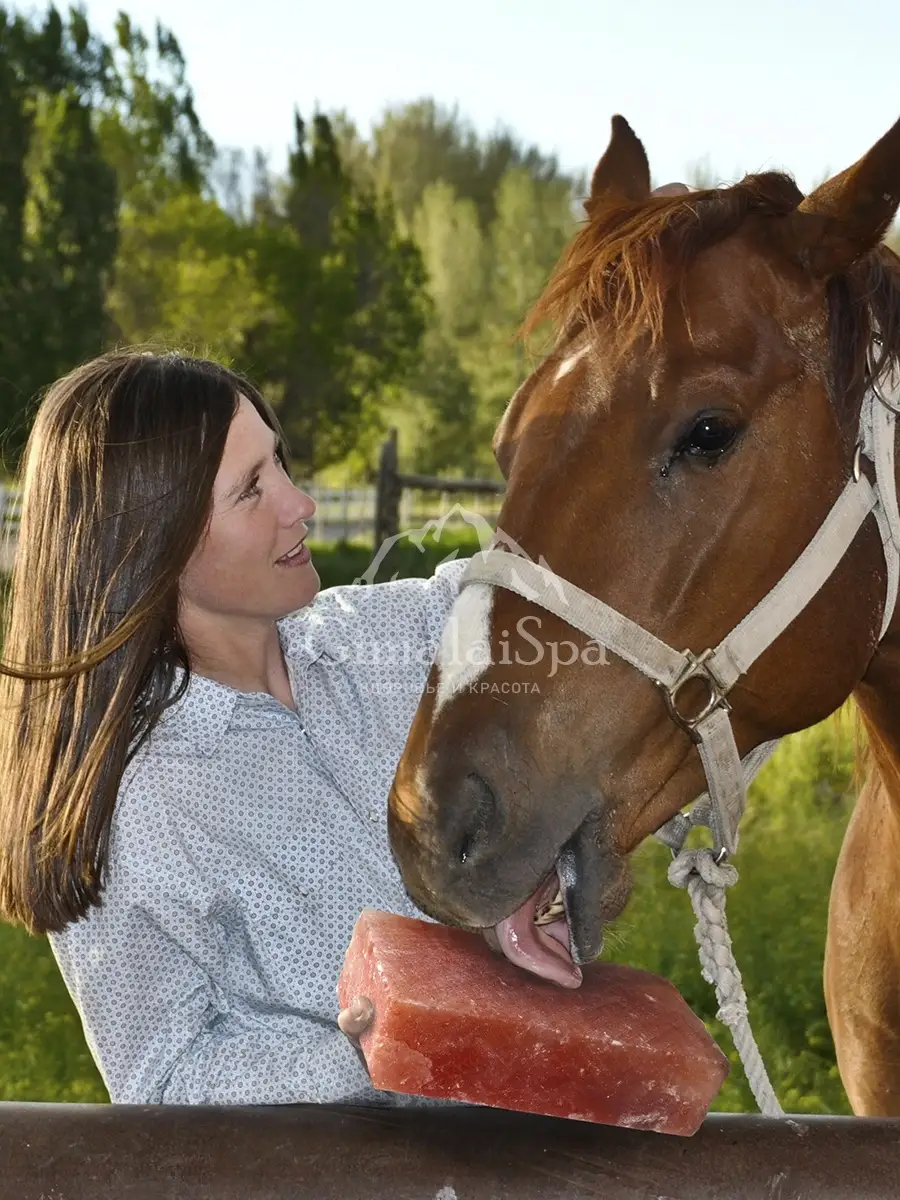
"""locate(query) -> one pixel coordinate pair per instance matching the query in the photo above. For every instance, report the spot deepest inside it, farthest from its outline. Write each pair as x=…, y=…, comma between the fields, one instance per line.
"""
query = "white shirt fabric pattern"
x=245, y=842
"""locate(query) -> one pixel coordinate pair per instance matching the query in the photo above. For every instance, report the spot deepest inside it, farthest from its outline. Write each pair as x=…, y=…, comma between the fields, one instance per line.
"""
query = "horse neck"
x=878, y=700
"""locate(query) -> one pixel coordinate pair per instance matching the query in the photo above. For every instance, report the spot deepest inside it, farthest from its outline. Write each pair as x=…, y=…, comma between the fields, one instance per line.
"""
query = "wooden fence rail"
x=323, y=1152
x=392, y=483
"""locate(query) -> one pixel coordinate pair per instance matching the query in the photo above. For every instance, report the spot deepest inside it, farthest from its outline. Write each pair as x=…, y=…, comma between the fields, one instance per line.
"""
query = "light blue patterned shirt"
x=245, y=842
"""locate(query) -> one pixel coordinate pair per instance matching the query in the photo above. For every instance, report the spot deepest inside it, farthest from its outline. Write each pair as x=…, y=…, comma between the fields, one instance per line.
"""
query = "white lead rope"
x=706, y=881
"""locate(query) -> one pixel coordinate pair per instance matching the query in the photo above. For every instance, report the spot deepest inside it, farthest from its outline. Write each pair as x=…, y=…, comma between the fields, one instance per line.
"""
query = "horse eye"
x=709, y=437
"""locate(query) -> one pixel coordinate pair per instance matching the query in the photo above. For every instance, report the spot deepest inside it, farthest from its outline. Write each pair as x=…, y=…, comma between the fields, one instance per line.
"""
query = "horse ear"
x=623, y=172
x=849, y=214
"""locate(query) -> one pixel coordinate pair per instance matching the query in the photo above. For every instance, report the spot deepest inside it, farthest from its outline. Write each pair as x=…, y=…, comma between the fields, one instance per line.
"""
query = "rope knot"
x=703, y=864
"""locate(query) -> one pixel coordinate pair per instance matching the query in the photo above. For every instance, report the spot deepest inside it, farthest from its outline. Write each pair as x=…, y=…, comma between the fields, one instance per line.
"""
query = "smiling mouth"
x=293, y=552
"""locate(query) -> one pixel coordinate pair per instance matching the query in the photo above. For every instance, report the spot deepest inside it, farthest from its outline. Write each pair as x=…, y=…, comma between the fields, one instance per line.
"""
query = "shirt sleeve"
x=141, y=970
x=369, y=649
x=412, y=610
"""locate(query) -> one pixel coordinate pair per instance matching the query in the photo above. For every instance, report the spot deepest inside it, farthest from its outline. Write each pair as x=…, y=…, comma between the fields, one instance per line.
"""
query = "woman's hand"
x=356, y=1018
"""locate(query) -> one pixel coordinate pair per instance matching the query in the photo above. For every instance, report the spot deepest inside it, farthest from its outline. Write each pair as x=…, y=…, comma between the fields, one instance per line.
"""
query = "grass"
x=43, y=1055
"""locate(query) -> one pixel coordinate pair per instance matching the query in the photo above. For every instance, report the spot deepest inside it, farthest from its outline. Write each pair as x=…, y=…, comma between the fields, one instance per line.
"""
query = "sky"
x=789, y=84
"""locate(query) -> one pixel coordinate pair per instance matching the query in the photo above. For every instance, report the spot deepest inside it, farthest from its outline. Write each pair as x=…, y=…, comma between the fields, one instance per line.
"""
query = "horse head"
x=673, y=455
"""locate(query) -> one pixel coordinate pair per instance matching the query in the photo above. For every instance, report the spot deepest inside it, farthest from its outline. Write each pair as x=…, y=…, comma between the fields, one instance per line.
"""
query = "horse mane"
x=626, y=259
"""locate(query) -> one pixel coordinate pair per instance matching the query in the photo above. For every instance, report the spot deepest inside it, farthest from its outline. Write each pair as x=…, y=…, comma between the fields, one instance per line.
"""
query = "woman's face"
x=258, y=517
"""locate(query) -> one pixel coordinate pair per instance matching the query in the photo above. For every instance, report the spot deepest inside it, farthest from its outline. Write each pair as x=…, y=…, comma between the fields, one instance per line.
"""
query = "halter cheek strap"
x=721, y=666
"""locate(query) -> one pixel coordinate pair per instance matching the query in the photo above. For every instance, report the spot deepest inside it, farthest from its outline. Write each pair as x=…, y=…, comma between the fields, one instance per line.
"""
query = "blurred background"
x=356, y=204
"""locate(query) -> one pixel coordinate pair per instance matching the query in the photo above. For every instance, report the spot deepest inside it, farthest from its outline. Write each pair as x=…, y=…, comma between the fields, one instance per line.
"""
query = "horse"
x=692, y=427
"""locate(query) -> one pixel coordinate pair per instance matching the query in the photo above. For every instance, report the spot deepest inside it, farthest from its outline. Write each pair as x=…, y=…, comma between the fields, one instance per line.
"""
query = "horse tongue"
x=535, y=948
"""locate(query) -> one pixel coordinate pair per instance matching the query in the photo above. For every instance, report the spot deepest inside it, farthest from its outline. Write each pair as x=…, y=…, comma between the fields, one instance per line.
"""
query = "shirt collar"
x=202, y=715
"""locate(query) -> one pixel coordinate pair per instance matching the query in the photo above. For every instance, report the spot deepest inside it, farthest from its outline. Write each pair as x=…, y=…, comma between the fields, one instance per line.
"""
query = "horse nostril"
x=479, y=803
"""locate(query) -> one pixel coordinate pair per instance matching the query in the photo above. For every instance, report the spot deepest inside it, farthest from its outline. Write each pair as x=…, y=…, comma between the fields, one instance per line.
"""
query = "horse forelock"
x=627, y=258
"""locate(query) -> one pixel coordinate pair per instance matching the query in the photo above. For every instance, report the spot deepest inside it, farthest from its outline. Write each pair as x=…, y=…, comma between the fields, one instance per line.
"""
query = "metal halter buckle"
x=857, y=462
x=697, y=668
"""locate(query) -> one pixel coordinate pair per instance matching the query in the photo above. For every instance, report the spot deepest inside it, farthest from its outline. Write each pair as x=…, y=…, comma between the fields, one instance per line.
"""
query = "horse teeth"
x=550, y=912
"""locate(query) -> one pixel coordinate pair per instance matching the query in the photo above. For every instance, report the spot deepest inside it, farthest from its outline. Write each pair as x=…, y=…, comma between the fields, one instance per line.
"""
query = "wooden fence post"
x=387, y=496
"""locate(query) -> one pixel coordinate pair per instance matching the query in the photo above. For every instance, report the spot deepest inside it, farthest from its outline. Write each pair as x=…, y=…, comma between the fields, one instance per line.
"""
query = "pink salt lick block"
x=455, y=1021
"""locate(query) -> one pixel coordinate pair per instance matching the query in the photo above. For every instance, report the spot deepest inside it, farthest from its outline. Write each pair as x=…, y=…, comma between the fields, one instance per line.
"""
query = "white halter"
x=721, y=666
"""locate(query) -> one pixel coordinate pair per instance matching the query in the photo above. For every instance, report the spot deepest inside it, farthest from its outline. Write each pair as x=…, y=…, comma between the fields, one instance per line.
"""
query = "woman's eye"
x=708, y=438
x=253, y=489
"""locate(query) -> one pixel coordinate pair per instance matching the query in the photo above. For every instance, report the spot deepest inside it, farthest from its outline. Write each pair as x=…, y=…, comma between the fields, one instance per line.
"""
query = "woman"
x=197, y=748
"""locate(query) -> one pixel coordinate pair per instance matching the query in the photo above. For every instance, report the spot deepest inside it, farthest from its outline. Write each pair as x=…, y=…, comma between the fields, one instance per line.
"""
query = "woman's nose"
x=308, y=504
x=302, y=505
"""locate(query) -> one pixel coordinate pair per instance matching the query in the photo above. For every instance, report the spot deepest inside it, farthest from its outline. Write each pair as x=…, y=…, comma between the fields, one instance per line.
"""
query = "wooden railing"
x=392, y=484
x=324, y=1152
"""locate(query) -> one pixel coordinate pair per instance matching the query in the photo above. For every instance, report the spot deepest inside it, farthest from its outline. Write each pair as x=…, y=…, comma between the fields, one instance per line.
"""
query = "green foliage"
x=349, y=307
x=344, y=562
x=146, y=121
x=88, y=131
x=187, y=273
x=57, y=211
x=449, y=432
x=490, y=217
x=310, y=289
x=417, y=144
x=449, y=235
x=110, y=233
x=43, y=1055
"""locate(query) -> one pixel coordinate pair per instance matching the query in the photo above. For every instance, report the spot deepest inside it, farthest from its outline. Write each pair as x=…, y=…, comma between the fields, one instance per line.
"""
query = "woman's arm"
x=367, y=624
x=161, y=1031
x=149, y=971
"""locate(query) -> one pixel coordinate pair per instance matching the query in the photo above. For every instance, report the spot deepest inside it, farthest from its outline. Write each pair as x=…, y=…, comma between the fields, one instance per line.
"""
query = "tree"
x=348, y=303
x=490, y=217
x=534, y=220
x=187, y=274
x=15, y=133
x=58, y=202
x=147, y=124
x=483, y=287
x=89, y=132
x=421, y=143
x=454, y=251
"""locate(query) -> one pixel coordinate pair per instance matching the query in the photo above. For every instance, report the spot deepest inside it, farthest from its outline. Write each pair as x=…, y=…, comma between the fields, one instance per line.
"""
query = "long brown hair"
x=117, y=486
